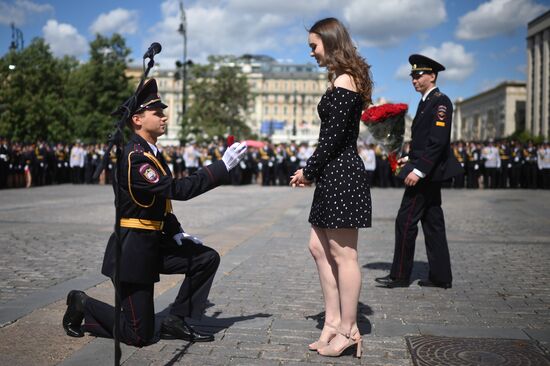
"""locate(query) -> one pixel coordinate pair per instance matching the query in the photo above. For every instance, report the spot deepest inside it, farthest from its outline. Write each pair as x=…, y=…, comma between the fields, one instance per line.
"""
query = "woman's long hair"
x=341, y=56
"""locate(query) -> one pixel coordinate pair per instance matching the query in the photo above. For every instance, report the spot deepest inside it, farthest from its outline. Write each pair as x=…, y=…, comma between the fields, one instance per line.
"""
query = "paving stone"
x=266, y=301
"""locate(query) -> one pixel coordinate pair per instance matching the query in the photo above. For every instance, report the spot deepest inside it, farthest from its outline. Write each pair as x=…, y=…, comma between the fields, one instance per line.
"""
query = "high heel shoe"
x=352, y=339
x=319, y=343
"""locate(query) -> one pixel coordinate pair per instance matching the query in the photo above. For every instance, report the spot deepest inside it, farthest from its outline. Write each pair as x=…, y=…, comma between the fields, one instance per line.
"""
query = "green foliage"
x=97, y=87
x=220, y=99
x=32, y=94
x=525, y=136
x=61, y=99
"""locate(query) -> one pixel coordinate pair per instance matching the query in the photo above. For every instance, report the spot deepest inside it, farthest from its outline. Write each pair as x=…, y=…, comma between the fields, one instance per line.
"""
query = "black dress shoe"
x=175, y=327
x=74, y=314
x=429, y=283
x=391, y=282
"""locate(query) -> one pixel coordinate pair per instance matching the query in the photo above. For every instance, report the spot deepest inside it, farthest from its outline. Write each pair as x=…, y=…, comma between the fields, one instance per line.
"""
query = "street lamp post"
x=294, y=121
x=183, y=31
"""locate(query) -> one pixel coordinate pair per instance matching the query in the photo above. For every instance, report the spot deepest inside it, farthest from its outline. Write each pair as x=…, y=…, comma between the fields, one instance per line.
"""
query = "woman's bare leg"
x=343, y=249
x=326, y=267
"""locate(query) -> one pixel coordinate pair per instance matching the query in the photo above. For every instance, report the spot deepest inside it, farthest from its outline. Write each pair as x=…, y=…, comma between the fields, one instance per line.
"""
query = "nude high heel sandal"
x=319, y=343
x=353, y=339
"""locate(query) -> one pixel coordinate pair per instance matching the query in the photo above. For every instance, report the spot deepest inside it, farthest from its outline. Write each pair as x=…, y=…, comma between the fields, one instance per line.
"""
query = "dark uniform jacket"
x=147, y=225
x=430, y=146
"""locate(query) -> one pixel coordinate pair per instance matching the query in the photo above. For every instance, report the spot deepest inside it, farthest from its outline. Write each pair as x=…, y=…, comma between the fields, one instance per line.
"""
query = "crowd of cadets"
x=502, y=164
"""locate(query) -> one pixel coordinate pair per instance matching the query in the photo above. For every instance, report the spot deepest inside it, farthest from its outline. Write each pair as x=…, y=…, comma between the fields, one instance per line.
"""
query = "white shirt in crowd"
x=543, y=160
x=369, y=158
x=78, y=155
x=491, y=156
x=191, y=156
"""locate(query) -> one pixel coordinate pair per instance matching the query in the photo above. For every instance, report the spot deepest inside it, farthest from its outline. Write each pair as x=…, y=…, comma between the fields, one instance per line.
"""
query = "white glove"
x=234, y=154
x=179, y=237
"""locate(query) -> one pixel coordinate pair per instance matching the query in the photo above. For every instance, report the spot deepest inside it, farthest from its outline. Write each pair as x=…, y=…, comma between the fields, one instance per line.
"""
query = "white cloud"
x=385, y=23
x=280, y=7
x=458, y=63
x=232, y=27
x=497, y=17
x=19, y=11
x=119, y=20
x=64, y=39
x=522, y=69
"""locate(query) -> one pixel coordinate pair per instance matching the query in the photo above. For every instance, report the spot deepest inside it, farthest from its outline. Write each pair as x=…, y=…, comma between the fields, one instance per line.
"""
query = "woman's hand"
x=298, y=179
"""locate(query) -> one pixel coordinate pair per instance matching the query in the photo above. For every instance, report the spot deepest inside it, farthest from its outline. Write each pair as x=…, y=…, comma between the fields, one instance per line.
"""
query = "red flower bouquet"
x=386, y=124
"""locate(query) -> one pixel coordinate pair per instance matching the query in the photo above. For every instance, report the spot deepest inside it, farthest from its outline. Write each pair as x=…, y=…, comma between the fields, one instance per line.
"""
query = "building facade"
x=493, y=114
x=285, y=98
x=538, y=75
x=283, y=104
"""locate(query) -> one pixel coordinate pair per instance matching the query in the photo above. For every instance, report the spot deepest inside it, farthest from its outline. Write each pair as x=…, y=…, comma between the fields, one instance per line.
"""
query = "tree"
x=220, y=98
x=98, y=87
x=32, y=93
x=42, y=97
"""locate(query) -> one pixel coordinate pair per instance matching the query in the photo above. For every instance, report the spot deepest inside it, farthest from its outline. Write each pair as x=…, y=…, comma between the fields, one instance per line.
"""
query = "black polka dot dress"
x=342, y=194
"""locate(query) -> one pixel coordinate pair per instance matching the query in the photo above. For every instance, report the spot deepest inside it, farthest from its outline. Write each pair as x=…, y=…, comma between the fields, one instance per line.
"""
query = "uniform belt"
x=131, y=223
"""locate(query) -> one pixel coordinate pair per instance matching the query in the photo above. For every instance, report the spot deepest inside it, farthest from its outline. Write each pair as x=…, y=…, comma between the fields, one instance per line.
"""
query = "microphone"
x=154, y=49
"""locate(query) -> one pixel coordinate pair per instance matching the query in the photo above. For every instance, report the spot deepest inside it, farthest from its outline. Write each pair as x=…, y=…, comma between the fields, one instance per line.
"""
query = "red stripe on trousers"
x=405, y=238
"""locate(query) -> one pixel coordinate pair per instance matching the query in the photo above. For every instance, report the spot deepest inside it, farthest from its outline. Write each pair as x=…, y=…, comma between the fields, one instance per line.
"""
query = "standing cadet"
x=491, y=159
x=543, y=161
x=516, y=151
x=473, y=165
x=460, y=154
x=4, y=162
x=505, y=164
x=153, y=241
x=530, y=167
x=430, y=162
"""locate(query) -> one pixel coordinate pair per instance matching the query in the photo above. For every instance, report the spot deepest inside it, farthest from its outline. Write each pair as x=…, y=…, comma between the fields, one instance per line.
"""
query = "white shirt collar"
x=427, y=93
x=154, y=148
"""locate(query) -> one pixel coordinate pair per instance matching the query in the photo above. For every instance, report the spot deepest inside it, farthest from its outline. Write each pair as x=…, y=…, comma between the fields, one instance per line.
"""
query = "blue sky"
x=481, y=42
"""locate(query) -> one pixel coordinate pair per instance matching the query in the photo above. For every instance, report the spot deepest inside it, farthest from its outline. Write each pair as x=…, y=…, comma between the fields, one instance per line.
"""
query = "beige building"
x=284, y=99
x=538, y=75
x=495, y=113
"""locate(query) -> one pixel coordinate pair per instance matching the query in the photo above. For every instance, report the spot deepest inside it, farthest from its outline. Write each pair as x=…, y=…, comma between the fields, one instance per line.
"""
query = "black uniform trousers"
x=421, y=203
x=137, y=321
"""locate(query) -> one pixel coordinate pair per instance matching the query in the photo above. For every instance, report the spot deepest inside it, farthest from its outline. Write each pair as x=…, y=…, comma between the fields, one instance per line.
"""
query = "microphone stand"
x=117, y=139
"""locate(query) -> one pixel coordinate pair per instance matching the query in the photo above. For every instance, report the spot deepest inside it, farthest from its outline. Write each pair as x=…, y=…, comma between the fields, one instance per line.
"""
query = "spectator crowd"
x=488, y=165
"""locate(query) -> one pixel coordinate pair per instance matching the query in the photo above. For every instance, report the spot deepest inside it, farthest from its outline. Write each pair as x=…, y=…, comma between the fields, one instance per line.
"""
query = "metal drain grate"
x=437, y=351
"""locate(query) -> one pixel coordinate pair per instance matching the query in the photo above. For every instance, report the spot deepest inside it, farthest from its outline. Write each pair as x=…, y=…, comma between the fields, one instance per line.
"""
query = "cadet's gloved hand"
x=234, y=154
x=181, y=237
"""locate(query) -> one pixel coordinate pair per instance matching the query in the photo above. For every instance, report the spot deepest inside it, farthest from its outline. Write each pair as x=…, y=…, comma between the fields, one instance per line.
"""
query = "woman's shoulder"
x=345, y=81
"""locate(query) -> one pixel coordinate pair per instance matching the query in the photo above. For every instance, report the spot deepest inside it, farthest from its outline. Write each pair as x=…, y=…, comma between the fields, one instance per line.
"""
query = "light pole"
x=17, y=43
x=183, y=31
x=294, y=122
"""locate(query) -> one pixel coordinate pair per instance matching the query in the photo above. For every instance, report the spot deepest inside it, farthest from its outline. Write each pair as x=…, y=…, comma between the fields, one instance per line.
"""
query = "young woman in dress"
x=341, y=201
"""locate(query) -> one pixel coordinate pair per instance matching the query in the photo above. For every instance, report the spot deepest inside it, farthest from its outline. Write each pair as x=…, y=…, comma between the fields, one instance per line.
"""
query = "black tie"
x=420, y=107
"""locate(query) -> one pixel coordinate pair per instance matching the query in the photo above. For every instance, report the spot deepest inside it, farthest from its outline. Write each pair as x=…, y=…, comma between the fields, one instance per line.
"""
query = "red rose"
x=382, y=112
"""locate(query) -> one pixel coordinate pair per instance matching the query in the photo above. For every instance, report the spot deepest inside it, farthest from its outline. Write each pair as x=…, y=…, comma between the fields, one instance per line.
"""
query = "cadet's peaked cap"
x=422, y=64
x=148, y=97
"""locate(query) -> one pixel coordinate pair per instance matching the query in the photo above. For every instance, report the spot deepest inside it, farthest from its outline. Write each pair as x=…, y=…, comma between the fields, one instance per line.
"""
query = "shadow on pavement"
x=420, y=269
x=363, y=323
x=212, y=324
